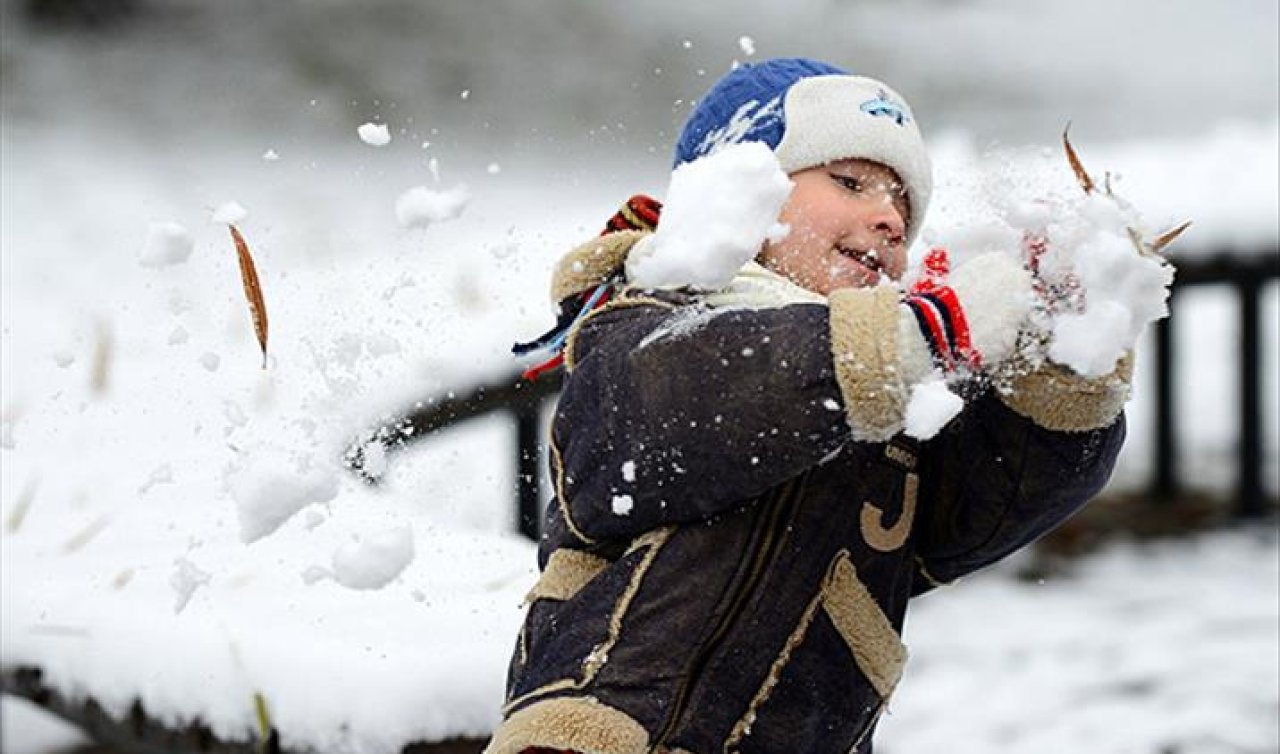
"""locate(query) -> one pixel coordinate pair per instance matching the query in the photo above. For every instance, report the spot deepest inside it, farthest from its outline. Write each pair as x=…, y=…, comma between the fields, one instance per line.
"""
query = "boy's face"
x=848, y=220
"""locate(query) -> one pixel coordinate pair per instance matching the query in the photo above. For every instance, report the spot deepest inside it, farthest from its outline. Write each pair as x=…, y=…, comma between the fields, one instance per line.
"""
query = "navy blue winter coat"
x=739, y=525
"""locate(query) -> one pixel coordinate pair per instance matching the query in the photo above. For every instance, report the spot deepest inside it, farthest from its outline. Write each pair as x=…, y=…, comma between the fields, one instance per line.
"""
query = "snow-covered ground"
x=161, y=490
x=1142, y=648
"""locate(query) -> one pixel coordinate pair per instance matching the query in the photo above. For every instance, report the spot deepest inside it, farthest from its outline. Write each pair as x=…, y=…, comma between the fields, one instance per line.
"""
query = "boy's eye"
x=853, y=184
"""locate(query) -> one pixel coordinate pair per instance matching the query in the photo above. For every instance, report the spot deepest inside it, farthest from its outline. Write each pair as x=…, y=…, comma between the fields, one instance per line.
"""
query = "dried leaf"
x=252, y=291
x=1168, y=237
x=1085, y=181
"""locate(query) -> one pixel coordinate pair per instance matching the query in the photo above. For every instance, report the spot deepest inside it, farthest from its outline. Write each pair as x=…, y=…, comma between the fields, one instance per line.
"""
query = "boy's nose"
x=887, y=220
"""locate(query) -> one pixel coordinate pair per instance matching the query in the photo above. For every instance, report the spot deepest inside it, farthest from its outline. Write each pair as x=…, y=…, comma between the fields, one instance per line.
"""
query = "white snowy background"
x=173, y=522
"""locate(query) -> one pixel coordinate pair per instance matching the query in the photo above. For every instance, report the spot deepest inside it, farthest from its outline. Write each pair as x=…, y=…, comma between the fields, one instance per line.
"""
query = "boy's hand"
x=971, y=317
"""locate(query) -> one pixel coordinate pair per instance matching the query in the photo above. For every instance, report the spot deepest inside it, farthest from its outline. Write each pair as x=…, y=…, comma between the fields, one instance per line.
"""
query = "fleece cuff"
x=592, y=263
x=1058, y=399
x=865, y=326
x=580, y=724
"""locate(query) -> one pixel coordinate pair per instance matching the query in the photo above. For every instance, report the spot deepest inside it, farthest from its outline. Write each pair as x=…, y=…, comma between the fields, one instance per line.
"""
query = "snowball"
x=269, y=492
x=178, y=335
x=374, y=134
x=1118, y=291
x=629, y=471
x=420, y=207
x=747, y=45
x=494, y=168
x=718, y=212
x=1100, y=289
x=932, y=405
x=64, y=359
x=622, y=505
x=270, y=155
x=210, y=361
x=186, y=579
x=373, y=561
x=230, y=213
x=167, y=243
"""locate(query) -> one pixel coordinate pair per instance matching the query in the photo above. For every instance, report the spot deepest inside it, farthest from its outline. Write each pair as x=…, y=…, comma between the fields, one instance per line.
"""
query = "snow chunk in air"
x=622, y=505
x=420, y=207
x=230, y=213
x=374, y=561
x=269, y=493
x=374, y=134
x=186, y=579
x=168, y=243
x=719, y=211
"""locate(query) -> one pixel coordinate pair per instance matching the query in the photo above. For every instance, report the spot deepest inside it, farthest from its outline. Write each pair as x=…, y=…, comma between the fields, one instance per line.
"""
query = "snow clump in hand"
x=375, y=560
x=1101, y=291
x=932, y=405
x=420, y=207
x=167, y=244
x=719, y=211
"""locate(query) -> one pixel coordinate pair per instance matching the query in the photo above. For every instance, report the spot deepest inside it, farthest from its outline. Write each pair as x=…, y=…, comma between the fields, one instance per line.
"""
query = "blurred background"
x=116, y=114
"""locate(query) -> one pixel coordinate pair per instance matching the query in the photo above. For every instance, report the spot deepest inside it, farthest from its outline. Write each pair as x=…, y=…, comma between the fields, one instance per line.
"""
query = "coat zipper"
x=764, y=552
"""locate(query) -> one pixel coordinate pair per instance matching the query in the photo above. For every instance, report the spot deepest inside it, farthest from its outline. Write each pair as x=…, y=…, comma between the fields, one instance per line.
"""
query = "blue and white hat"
x=812, y=113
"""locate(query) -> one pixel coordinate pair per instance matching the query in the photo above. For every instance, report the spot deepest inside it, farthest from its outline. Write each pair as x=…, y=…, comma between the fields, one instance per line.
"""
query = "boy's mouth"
x=869, y=259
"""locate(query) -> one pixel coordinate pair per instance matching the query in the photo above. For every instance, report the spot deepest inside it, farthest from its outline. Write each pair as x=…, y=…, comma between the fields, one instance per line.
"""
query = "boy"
x=739, y=520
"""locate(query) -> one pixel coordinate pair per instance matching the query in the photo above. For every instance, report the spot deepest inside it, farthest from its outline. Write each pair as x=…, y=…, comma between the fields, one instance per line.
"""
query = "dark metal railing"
x=521, y=399
x=1245, y=274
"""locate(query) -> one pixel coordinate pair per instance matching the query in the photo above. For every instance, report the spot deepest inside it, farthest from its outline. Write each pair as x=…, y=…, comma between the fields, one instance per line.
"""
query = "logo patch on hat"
x=882, y=106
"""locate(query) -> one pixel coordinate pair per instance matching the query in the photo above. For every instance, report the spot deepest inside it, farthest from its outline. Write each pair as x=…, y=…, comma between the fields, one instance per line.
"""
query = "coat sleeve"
x=676, y=413
x=1014, y=466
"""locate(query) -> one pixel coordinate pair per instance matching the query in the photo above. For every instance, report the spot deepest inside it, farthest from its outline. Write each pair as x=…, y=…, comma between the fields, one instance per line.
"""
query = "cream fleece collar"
x=597, y=260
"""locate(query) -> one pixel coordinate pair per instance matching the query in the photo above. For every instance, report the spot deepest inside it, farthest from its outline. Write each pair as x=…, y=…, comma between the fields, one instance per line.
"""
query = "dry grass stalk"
x=22, y=505
x=252, y=291
x=103, y=358
x=1146, y=249
x=86, y=535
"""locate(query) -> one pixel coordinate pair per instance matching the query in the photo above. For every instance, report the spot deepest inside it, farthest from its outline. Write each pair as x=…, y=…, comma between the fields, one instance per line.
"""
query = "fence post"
x=1166, y=451
x=529, y=507
x=1249, y=481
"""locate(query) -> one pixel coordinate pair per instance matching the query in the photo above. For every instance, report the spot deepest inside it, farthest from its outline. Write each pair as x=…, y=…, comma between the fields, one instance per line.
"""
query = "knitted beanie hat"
x=812, y=113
